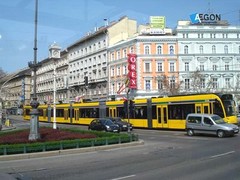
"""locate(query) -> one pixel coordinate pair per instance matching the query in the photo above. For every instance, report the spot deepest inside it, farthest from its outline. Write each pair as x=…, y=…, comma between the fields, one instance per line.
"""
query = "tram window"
x=40, y=111
x=107, y=113
x=176, y=111
x=206, y=109
x=198, y=109
x=121, y=113
x=217, y=109
x=27, y=111
x=154, y=114
x=89, y=112
x=187, y=109
x=141, y=112
x=59, y=112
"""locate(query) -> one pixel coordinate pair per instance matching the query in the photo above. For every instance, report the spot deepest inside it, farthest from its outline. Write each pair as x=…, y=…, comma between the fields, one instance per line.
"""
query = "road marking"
x=223, y=154
x=124, y=177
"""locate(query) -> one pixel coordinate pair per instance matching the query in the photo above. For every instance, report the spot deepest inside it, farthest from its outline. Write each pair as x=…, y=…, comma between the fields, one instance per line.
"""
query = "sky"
x=67, y=21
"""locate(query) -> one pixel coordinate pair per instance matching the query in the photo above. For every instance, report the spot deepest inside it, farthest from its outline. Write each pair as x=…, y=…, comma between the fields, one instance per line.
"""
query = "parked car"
x=103, y=124
x=123, y=125
x=209, y=124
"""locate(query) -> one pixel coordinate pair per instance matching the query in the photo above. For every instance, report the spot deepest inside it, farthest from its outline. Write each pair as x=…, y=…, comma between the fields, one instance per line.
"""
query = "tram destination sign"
x=198, y=18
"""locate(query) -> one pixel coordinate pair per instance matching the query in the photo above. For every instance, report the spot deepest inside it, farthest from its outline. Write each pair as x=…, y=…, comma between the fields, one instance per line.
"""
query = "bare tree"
x=170, y=86
x=196, y=78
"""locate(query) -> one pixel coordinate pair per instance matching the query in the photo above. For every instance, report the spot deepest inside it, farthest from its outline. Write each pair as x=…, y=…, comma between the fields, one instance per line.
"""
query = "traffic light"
x=86, y=80
x=131, y=107
x=125, y=106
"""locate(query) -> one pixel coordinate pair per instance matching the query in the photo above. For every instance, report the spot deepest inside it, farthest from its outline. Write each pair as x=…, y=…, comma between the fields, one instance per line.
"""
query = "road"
x=164, y=155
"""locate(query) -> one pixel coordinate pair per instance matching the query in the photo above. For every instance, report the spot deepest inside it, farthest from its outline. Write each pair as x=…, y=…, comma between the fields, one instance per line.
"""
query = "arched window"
x=146, y=50
x=214, y=49
x=159, y=49
x=226, y=49
x=201, y=49
x=131, y=50
x=186, y=49
x=171, y=49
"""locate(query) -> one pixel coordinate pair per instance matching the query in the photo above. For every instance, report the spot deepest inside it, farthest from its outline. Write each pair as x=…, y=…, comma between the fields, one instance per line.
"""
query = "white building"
x=209, y=57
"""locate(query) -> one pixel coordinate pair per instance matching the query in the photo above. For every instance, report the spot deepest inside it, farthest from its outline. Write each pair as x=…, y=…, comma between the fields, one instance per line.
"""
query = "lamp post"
x=128, y=106
x=54, y=54
x=34, y=123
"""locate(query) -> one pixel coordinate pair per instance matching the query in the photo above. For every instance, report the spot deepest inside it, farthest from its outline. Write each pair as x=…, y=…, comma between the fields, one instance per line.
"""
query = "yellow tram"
x=153, y=113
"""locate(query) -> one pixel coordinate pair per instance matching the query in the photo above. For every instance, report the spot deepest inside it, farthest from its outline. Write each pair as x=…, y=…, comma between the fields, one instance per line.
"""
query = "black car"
x=103, y=124
x=123, y=125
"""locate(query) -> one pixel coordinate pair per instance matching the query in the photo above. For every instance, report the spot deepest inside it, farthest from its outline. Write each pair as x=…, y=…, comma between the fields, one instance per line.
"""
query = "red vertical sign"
x=132, y=71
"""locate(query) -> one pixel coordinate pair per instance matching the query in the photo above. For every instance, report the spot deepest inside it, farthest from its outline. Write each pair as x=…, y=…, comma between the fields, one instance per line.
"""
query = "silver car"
x=209, y=124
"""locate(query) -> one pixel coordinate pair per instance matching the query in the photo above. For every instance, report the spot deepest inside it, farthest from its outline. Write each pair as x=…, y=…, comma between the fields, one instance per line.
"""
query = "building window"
x=131, y=50
x=159, y=49
x=113, y=88
x=214, y=67
x=213, y=35
x=147, y=84
x=226, y=49
x=172, y=83
x=112, y=56
x=226, y=67
x=186, y=49
x=124, y=53
x=171, y=49
x=172, y=67
x=202, y=83
x=227, y=83
x=214, y=49
x=147, y=67
x=186, y=66
x=200, y=35
x=160, y=84
x=239, y=49
x=185, y=35
x=201, y=67
x=147, y=49
x=118, y=55
x=159, y=67
x=201, y=49
x=215, y=83
x=225, y=35
x=187, y=84
x=112, y=72
x=124, y=69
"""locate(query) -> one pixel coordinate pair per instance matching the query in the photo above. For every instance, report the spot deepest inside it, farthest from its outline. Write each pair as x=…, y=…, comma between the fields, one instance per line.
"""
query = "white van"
x=209, y=124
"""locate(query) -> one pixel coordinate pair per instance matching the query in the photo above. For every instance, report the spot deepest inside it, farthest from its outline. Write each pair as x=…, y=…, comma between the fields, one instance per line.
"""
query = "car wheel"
x=190, y=132
x=220, y=133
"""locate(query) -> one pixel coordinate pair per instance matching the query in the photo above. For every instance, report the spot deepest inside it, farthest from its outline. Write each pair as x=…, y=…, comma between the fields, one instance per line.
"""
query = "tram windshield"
x=229, y=106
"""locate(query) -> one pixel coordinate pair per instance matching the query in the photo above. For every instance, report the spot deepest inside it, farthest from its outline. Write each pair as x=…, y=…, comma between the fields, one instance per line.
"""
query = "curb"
x=67, y=151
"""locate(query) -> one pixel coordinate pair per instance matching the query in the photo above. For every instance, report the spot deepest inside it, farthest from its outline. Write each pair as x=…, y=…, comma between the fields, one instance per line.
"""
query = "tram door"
x=202, y=108
x=112, y=112
x=76, y=114
x=162, y=116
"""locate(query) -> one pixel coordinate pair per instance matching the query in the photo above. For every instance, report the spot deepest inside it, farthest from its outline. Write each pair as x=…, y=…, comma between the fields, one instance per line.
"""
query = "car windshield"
x=108, y=122
x=218, y=120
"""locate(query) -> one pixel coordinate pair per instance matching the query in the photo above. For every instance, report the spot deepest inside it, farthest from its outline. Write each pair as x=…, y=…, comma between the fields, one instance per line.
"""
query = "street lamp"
x=34, y=123
x=54, y=53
